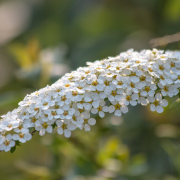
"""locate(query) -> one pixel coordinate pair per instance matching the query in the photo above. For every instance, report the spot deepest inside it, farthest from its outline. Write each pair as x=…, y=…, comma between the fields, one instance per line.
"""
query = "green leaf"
x=54, y=125
x=172, y=10
x=13, y=149
x=18, y=143
x=175, y=104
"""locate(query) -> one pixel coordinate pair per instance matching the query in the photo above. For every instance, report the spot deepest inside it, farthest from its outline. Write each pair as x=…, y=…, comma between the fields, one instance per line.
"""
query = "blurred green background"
x=41, y=40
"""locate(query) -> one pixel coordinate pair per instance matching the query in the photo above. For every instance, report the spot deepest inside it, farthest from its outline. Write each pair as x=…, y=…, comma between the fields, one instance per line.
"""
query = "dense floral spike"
x=109, y=85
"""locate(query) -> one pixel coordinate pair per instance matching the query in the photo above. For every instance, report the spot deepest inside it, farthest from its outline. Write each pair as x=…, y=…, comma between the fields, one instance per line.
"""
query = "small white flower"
x=44, y=127
x=65, y=127
x=128, y=100
x=8, y=143
x=158, y=103
x=89, y=122
x=22, y=137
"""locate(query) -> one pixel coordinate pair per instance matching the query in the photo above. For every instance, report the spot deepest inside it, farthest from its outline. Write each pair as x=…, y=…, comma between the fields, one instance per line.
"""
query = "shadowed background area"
x=41, y=40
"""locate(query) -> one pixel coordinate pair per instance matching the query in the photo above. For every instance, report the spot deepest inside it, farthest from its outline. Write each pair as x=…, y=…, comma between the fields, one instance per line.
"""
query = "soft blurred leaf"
x=175, y=104
x=13, y=149
x=172, y=10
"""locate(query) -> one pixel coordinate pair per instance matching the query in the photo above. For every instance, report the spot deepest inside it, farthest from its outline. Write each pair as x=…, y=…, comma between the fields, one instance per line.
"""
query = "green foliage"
x=175, y=104
x=13, y=149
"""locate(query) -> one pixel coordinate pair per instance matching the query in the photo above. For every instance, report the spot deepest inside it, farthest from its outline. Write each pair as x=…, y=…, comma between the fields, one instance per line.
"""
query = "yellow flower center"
x=113, y=93
x=45, y=125
x=99, y=108
x=74, y=93
x=63, y=98
x=65, y=113
x=108, y=67
x=161, y=67
x=128, y=97
x=57, y=90
x=81, y=110
x=133, y=74
x=67, y=85
x=10, y=126
x=172, y=64
x=53, y=113
x=81, y=101
x=7, y=143
x=161, y=77
x=142, y=78
x=64, y=126
x=156, y=103
x=117, y=106
x=147, y=89
x=132, y=85
x=106, y=83
x=33, y=119
x=150, y=69
x=137, y=62
x=85, y=121
x=20, y=127
x=56, y=107
x=45, y=104
x=114, y=77
x=165, y=88
x=120, y=83
x=21, y=135
x=74, y=118
x=94, y=83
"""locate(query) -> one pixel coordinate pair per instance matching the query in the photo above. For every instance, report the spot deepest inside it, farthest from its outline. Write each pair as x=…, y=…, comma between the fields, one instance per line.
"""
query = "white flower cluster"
x=109, y=85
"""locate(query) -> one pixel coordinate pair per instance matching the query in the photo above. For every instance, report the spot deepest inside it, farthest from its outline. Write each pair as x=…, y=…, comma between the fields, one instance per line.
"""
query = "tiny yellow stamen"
x=7, y=143
x=117, y=106
x=165, y=88
x=106, y=83
x=65, y=113
x=64, y=126
x=45, y=125
x=74, y=93
x=85, y=121
x=142, y=78
x=53, y=113
x=99, y=108
x=132, y=85
x=21, y=135
x=161, y=67
x=67, y=85
x=156, y=103
x=113, y=93
x=147, y=88
x=94, y=83
x=128, y=97
x=33, y=119
x=63, y=98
